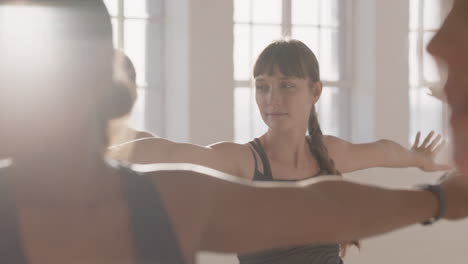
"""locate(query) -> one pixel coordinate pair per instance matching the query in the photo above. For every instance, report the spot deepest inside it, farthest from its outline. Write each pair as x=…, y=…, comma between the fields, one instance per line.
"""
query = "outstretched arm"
x=438, y=93
x=225, y=156
x=223, y=214
x=350, y=157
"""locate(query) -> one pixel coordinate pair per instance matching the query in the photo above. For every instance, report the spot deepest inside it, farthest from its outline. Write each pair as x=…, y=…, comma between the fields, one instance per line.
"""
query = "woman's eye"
x=261, y=87
x=287, y=85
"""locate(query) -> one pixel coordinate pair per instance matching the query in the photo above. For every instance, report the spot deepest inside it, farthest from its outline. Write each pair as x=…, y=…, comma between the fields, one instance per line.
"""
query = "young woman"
x=288, y=85
x=62, y=202
x=125, y=82
x=287, y=81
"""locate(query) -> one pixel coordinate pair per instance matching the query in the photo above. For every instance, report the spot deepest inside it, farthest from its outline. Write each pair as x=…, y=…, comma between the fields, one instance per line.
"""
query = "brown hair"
x=125, y=75
x=293, y=58
x=123, y=65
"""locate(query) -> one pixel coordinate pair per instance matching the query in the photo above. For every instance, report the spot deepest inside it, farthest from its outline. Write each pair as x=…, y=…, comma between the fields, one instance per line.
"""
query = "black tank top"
x=309, y=254
x=154, y=238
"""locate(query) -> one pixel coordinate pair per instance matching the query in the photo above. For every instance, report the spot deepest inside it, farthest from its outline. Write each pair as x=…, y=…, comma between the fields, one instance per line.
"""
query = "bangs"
x=292, y=58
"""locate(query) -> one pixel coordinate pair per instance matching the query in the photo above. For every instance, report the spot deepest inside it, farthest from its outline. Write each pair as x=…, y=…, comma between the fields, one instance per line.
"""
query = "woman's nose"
x=273, y=96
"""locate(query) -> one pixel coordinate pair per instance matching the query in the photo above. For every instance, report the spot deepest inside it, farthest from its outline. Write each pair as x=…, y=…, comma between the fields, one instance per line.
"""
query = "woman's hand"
x=425, y=153
x=438, y=93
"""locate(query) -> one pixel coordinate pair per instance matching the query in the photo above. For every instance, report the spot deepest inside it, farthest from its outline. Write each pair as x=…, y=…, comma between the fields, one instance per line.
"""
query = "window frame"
x=152, y=113
x=416, y=124
x=344, y=84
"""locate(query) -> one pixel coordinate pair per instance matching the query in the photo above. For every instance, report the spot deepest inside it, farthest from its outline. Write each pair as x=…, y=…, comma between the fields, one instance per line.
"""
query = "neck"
x=120, y=132
x=287, y=146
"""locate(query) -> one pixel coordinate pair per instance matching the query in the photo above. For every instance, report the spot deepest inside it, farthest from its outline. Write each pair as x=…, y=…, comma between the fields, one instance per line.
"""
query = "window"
x=426, y=112
x=317, y=23
x=131, y=21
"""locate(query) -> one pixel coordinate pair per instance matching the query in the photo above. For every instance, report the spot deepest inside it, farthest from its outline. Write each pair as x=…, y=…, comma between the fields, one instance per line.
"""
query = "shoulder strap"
x=263, y=156
x=155, y=240
x=255, y=157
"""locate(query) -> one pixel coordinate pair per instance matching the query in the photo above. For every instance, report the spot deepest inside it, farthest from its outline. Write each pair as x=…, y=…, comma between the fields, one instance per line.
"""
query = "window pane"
x=328, y=111
x=135, y=8
x=431, y=71
x=426, y=112
x=305, y=12
x=262, y=37
x=329, y=55
x=267, y=11
x=247, y=118
x=306, y=17
x=308, y=35
x=414, y=14
x=413, y=59
x=135, y=46
x=242, y=64
x=329, y=13
x=112, y=6
x=432, y=14
x=259, y=127
x=241, y=11
x=115, y=32
x=242, y=114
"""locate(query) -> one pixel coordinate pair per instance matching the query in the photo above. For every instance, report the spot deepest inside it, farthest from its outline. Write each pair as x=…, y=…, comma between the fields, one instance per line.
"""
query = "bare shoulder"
x=240, y=151
x=230, y=147
x=334, y=144
x=241, y=154
x=144, y=135
x=331, y=140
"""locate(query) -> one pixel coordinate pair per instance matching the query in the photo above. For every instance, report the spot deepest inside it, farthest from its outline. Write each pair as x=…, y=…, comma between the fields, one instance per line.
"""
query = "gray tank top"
x=309, y=254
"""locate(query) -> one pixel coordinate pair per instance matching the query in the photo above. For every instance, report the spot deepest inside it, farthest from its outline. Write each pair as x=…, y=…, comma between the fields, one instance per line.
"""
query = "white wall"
x=212, y=67
x=200, y=108
x=199, y=72
x=363, y=65
x=177, y=70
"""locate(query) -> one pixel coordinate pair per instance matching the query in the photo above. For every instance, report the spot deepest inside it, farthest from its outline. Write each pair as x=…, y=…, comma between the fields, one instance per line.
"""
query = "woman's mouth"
x=277, y=114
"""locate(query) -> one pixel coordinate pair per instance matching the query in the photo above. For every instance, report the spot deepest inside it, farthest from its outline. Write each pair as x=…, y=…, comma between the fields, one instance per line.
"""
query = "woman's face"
x=285, y=102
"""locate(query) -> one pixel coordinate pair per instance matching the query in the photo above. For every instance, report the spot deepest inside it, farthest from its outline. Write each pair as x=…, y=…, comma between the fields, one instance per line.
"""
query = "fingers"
x=416, y=141
x=438, y=148
x=427, y=140
x=434, y=143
